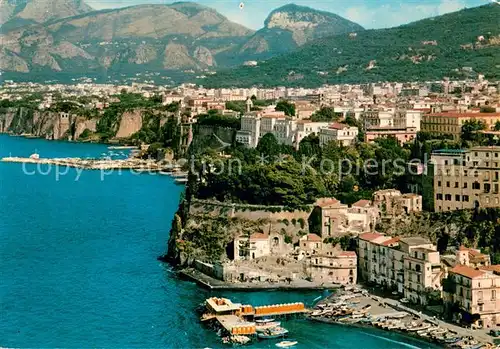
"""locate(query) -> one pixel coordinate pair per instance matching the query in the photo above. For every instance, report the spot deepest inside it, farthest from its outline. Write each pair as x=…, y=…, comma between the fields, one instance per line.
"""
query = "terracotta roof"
x=259, y=236
x=313, y=237
x=471, y=251
x=390, y=242
x=370, y=236
x=347, y=254
x=323, y=202
x=362, y=203
x=493, y=268
x=338, y=126
x=466, y=271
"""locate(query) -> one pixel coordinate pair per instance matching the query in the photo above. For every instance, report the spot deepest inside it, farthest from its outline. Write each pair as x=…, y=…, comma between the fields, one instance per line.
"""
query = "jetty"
x=237, y=320
x=91, y=164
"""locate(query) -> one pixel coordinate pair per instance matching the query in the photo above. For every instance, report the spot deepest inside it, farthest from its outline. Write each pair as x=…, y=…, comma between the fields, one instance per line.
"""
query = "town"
x=382, y=238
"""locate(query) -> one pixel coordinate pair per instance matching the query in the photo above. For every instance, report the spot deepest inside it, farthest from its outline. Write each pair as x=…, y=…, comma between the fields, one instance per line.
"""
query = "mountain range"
x=51, y=39
x=461, y=44
x=179, y=36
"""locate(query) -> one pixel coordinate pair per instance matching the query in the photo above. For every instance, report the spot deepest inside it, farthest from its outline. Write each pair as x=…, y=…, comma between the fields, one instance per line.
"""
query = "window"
x=465, y=185
x=487, y=187
x=465, y=198
x=496, y=155
x=476, y=174
x=456, y=184
x=447, y=197
x=448, y=184
x=439, y=196
x=439, y=183
x=476, y=186
x=457, y=197
x=480, y=307
x=487, y=155
x=493, y=295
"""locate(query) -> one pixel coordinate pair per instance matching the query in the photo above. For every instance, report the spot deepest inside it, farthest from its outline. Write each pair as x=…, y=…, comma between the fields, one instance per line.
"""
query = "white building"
x=340, y=133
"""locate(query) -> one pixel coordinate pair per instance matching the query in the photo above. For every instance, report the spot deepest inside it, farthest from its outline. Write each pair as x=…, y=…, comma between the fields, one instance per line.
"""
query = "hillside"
x=127, y=40
x=16, y=13
x=292, y=26
x=425, y=50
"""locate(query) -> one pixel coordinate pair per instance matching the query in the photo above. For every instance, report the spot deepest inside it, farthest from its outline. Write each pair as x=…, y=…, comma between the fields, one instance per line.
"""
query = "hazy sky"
x=368, y=13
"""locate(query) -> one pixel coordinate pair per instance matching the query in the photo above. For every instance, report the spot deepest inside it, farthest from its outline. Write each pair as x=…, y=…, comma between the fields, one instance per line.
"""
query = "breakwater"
x=94, y=164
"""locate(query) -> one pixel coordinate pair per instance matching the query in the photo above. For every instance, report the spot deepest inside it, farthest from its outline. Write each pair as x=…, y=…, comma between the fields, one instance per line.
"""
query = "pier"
x=93, y=164
x=237, y=319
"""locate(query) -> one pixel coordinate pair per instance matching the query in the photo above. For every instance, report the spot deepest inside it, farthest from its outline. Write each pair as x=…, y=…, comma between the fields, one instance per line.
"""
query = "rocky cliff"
x=292, y=26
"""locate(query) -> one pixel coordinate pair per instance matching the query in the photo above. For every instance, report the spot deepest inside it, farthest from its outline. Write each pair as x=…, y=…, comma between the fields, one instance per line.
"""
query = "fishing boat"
x=286, y=344
x=276, y=332
x=419, y=328
x=264, y=326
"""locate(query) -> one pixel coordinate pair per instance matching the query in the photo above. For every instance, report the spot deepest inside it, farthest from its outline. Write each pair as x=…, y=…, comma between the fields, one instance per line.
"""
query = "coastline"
x=388, y=315
x=210, y=283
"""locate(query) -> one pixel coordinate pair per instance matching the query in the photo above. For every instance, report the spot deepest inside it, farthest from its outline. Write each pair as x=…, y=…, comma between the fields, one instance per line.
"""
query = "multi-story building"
x=476, y=292
x=337, y=219
x=334, y=267
x=341, y=133
x=402, y=134
x=392, y=203
x=410, y=266
x=465, y=179
x=450, y=123
x=422, y=268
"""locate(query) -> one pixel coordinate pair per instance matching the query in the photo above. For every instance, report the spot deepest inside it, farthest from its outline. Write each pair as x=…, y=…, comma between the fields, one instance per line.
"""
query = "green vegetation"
x=326, y=114
x=287, y=107
x=395, y=50
x=274, y=174
x=214, y=119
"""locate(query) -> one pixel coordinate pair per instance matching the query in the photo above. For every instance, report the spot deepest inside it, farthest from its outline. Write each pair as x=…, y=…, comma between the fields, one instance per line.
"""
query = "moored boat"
x=286, y=344
x=263, y=326
x=273, y=333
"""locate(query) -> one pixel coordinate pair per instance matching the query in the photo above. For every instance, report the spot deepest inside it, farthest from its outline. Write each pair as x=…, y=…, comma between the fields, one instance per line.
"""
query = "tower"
x=249, y=105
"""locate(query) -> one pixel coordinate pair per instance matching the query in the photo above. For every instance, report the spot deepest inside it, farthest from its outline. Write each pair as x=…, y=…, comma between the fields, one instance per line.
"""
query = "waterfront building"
x=338, y=267
x=450, y=123
x=411, y=266
x=465, y=179
x=476, y=293
x=340, y=133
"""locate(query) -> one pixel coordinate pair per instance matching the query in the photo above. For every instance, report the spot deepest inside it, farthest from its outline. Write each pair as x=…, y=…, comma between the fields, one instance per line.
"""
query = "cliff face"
x=45, y=124
x=206, y=230
x=130, y=123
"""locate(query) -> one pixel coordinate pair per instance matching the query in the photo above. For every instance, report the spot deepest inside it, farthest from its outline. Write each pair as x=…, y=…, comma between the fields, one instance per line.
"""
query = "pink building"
x=402, y=134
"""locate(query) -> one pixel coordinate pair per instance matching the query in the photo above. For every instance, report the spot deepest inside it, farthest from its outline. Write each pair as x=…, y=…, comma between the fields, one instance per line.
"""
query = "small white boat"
x=286, y=344
x=263, y=326
x=263, y=321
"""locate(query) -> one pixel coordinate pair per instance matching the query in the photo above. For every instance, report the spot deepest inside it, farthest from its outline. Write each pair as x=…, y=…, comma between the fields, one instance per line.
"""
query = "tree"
x=497, y=126
x=287, y=107
x=326, y=114
x=470, y=130
x=268, y=146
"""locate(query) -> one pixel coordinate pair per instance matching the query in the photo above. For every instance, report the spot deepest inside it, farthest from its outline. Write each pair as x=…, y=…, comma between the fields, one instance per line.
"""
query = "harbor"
x=356, y=307
x=135, y=165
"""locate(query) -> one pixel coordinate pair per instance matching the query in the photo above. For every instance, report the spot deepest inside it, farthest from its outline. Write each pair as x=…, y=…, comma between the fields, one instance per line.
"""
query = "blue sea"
x=78, y=263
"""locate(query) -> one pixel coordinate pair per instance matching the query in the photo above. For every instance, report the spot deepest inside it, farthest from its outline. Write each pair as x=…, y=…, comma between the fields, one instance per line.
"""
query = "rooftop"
x=362, y=203
x=313, y=237
x=466, y=271
x=370, y=236
x=415, y=241
x=390, y=242
x=259, y=236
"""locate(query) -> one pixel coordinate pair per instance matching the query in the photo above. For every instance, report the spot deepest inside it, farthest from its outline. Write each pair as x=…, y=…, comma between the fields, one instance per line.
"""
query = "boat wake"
x=393, y=341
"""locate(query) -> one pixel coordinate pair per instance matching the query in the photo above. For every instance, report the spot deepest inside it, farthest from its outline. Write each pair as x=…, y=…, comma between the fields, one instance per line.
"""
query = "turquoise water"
x=78, y=264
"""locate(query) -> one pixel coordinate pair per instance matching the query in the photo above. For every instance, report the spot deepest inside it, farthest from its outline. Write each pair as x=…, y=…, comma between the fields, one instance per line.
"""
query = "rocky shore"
x=354, y=306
